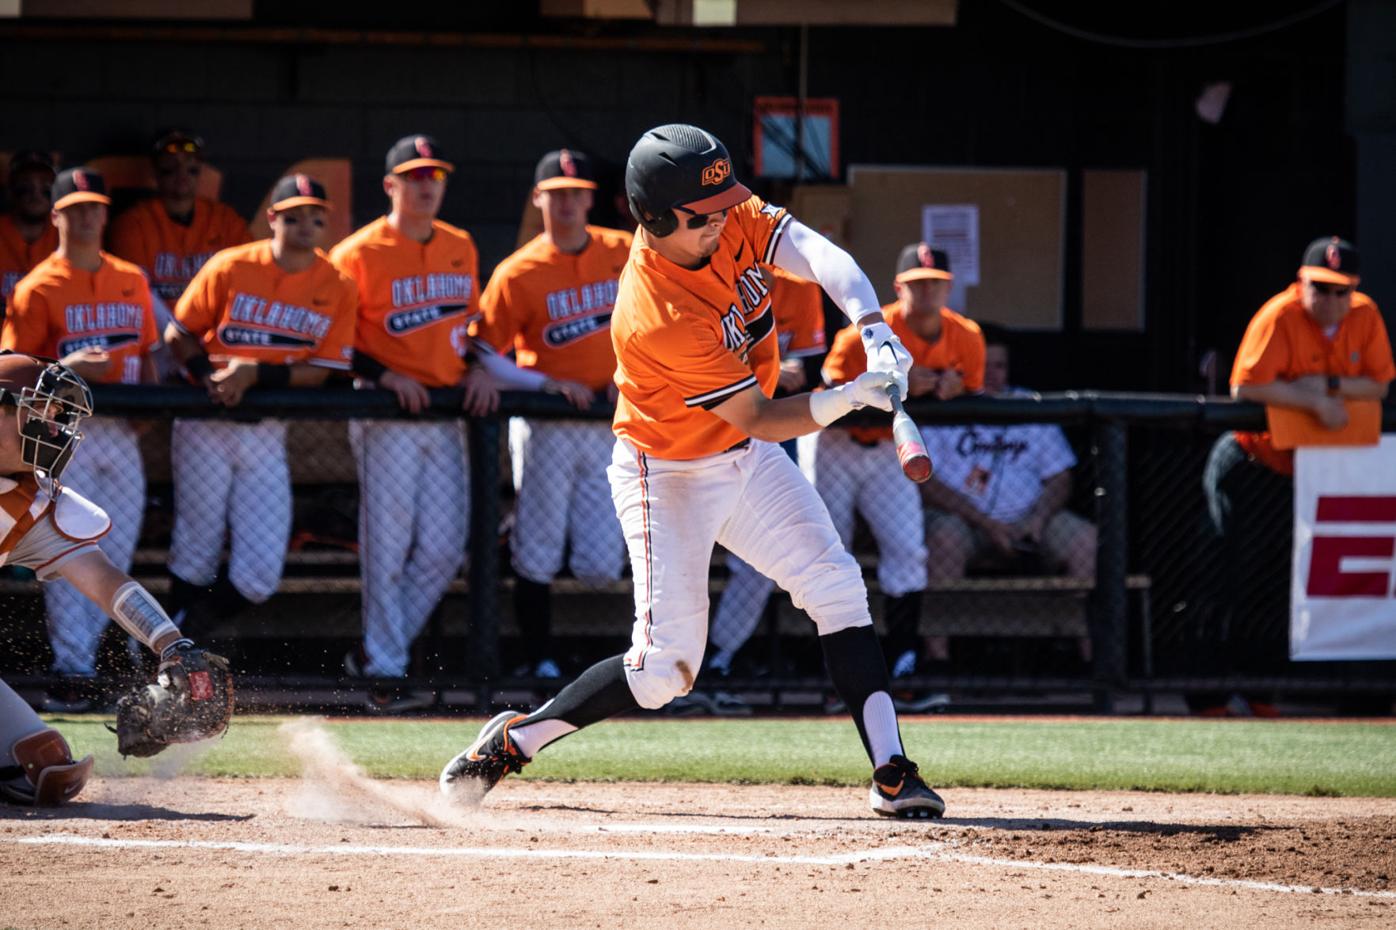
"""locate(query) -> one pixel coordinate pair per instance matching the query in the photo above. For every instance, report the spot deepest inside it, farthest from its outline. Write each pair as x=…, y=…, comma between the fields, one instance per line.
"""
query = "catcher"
x=54, y=531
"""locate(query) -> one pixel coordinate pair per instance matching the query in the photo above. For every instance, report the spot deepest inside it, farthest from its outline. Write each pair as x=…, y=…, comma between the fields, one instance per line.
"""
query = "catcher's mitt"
x=191, y=699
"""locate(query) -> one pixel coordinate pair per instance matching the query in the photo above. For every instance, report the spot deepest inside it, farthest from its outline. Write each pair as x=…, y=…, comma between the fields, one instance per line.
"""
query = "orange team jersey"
x=58, y=308
x=23, y=502
x=416, y=299
x=18, y=258
x=1283, y=343
x=960, y=347
x=687, y=340
x=799, y=308
x=170, y=252
x=242, y=303
x=554, y=309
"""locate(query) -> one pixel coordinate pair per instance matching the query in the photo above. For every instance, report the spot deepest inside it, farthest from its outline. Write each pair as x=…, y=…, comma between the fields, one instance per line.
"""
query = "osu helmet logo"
x=717, y=172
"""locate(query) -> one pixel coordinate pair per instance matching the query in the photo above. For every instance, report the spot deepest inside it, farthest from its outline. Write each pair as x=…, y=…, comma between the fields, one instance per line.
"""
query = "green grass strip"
x=1154, y=755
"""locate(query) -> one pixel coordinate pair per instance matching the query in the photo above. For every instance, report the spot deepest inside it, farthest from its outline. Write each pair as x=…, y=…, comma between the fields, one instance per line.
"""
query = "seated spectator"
x=1312, y=346
x=997, y=496
x=27, y=233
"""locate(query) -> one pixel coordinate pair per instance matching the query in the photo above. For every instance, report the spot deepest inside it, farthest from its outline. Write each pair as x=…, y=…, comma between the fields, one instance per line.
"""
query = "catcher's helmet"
x=52, y=401
x=679, y=166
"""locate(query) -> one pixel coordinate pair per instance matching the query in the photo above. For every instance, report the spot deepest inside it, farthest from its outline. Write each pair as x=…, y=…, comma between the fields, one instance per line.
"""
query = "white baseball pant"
x=755, y=502
x=231, y=479
x=564, y=500
x=849, y=475
x=740, y=608
x=108, y=471
x=414, y=522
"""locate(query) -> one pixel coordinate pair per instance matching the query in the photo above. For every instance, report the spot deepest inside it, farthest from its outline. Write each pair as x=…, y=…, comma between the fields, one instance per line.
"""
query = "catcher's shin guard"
x=44, y=773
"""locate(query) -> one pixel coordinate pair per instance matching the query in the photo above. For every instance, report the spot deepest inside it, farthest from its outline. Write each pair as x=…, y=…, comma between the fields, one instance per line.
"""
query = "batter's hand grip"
x=911, y=451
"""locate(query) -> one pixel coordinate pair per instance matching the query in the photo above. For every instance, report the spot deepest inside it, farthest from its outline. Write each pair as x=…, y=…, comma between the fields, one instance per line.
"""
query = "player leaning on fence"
x=696, y=460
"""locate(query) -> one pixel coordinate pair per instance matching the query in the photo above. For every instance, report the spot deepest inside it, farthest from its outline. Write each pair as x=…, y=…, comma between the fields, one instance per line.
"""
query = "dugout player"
x=417, y=279
x=53, y=530
x=849, y=467
x=696, y=365
x=27, y=233
x=271, y=313
x=1318, y=341
x=91, y=311
x=550, y=304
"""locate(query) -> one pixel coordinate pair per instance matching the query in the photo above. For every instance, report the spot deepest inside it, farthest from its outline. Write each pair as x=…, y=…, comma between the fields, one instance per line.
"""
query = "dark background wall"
x=1230, y=206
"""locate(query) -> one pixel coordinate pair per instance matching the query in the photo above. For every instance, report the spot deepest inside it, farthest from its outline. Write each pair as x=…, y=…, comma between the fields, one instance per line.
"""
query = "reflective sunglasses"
x=1331, y=290
x=189, y=146
x=699, y=220
x=426, y=174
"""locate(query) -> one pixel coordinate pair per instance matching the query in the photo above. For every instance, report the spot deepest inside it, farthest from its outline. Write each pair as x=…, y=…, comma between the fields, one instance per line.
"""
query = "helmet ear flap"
x=658, y=227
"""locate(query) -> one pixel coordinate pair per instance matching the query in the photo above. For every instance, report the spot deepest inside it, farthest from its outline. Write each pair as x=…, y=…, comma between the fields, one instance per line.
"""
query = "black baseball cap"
x=298, y=190
x=176, y=141
x=678, y=165
x=1331, y=260
x=416, y=152
x=30, y=160
x=919, y=261
x=564, y=168
x=79, y=185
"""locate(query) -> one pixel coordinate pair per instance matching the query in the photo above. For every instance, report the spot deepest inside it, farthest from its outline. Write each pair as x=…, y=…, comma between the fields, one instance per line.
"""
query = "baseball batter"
x=417, y=282
x=92, y=311
x=696, y=365
x=50, y=528
x=850, y=468
x=799, y=314
x=272, y=313
x=550, y=303
x=27, y=234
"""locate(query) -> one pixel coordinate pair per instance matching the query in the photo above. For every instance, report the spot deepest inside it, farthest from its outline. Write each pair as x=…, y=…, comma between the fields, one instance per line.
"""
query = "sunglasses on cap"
x=425, y=174
x=699, y=220
x=1331, y=290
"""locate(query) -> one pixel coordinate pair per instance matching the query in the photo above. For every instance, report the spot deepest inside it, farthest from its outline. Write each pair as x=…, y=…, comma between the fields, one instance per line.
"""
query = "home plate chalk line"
x=942, y=852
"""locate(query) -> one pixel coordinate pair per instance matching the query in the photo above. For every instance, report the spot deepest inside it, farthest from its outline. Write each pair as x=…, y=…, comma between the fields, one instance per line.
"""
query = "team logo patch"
x=405, y=321
x=108, y=341
x=200, y=686
x=557, y=335
x=250, y=336
x=717, y=172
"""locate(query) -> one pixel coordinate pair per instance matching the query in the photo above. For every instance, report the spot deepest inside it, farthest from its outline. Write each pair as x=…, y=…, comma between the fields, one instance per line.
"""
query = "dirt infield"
x=298, y=854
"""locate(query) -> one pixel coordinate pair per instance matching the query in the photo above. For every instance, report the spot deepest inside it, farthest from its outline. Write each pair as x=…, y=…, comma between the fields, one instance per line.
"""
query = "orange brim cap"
x=424, y=163
x=81, y=197
x=922, y=274
x=291, y=202
x=553, y=184
x=1327, y=275
x=738, y=193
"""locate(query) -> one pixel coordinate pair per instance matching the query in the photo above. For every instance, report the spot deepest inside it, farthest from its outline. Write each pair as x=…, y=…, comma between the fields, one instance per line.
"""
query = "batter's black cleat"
x=899, y=791
x=469, y=776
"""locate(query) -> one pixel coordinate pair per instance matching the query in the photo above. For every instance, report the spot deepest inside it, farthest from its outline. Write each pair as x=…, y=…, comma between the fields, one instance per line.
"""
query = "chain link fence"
x=344, y=553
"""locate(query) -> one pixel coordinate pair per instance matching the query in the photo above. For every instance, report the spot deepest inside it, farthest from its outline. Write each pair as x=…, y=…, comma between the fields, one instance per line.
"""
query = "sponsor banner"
x=1344, y=583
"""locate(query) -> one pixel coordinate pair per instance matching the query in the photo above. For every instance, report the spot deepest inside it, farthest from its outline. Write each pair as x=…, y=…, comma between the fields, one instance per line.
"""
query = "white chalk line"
x=934, y=852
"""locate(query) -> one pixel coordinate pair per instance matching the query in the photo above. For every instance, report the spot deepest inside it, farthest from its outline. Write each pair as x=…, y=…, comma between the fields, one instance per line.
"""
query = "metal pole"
x=1110, y=607
x=483, y=551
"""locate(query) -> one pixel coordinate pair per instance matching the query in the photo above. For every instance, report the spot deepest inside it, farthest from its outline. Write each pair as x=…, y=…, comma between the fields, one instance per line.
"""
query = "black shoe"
x=899, y=791
x=72, y=695
x=471, y=774
x=397, y=699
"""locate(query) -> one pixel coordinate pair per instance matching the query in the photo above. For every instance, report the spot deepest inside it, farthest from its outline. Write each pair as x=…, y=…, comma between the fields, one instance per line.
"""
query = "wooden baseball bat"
x=911, y=451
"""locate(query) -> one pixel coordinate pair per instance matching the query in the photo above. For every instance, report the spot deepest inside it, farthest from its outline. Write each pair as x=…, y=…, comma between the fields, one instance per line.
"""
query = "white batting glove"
x=870, y=389
x=886, y=354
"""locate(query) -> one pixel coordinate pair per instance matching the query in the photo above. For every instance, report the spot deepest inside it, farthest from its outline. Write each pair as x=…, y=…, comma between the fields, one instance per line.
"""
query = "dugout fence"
x=1155, y=610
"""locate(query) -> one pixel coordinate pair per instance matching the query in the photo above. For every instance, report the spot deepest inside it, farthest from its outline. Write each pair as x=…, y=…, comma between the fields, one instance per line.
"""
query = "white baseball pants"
x=756, y=503
x=231, y=479
x=414, y=522
x=108, y=471
x=564, y=500
x=869, y=479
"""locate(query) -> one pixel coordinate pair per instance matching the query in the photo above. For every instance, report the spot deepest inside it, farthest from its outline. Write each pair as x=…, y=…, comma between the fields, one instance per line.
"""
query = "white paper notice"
x=954, y=229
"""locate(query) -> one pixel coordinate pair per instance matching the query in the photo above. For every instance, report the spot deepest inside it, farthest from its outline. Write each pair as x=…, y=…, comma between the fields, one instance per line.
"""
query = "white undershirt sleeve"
x=804, y=252
x=509, y=375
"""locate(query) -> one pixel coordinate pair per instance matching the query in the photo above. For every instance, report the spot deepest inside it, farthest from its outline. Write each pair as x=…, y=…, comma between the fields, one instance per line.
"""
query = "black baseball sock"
x=858, y=670
x=533, y=605
x=903, y=617
x=598, y=693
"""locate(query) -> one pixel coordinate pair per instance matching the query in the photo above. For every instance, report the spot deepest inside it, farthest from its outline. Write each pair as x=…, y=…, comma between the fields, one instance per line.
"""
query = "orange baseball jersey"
x=58, y=308
x=23, y=502
x=18, y=257
x=170, y=252
x=242, y=303
x=554, y=309
x=416, y=299
x=1283, y=343
x=799, y=308
x=960, y=347
x=686, y=340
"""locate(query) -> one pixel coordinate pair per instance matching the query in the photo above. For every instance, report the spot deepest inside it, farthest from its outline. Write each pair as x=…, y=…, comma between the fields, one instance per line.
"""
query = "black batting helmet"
x=679, y=166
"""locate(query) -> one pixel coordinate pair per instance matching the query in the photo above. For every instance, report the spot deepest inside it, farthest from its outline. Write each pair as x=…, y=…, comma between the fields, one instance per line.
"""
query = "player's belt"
x=737, y=446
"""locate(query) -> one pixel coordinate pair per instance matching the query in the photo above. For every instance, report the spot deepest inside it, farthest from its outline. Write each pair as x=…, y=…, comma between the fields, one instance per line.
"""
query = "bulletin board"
x=1021, y=233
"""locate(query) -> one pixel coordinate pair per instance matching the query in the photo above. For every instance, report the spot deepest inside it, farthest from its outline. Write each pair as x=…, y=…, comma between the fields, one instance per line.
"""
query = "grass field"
x=1159, y=755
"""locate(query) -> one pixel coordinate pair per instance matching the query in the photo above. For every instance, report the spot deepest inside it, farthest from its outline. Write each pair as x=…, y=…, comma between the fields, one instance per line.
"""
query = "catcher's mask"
x=51, y=401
